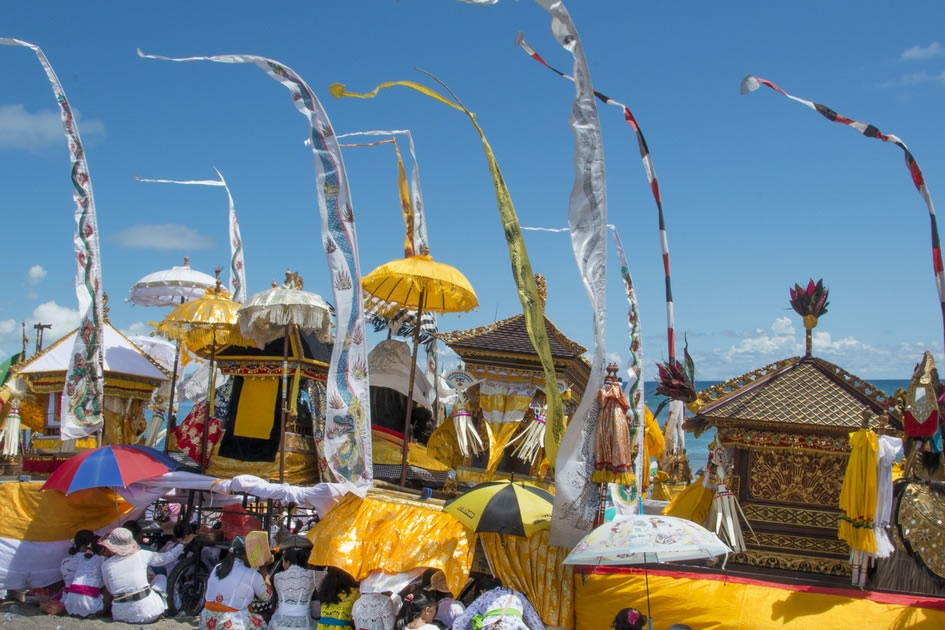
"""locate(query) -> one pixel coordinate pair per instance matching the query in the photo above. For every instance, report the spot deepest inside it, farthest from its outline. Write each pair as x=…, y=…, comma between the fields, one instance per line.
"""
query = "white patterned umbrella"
x=642, y=538
x=171, y=287
x=266, y=314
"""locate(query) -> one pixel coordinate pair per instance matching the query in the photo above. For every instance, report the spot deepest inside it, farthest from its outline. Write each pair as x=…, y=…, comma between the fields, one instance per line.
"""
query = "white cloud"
x=162, y=236
x=35, y=275
x=20, y=129
x=137, y=329
x=62, y=318
x=923, y=77
x=781, y=341
x=613, y=357
x=7, y=329
x=919, y=53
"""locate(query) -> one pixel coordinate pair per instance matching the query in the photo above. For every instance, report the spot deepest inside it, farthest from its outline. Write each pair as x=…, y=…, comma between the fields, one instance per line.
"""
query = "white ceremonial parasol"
x=171, y=287
x=159, y=349
x=643, y=538
x=274, y=313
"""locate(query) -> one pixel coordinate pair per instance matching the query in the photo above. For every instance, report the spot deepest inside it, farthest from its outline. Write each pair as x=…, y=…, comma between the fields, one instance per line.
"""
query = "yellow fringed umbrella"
x=205, y=322
x=419, y=283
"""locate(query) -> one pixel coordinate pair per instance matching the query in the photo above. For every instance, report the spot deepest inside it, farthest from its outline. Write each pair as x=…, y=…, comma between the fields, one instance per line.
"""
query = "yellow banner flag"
x=406, y=205
x=518, y=256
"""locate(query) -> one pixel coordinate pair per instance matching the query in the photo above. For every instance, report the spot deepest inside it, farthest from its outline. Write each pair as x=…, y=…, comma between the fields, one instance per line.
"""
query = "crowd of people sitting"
x=120, y=576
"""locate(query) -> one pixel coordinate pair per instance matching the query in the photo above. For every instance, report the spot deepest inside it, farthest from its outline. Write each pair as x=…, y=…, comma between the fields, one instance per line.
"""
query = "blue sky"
x=759, y=192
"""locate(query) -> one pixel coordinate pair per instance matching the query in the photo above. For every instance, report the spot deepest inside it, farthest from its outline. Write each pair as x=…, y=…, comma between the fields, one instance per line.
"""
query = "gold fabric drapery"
x=301, y=468
x=533, y=567
x=395, y=535
x=124, y=419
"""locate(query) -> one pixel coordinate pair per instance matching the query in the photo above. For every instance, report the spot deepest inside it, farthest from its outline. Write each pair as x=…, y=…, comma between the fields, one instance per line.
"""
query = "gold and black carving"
x=807, y=544
x=783, y=515
x=800, y=478
x=792, y=562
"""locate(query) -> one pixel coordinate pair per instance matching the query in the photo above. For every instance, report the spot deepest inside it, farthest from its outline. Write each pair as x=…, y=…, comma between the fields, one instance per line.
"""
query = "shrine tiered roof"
x=798, y=392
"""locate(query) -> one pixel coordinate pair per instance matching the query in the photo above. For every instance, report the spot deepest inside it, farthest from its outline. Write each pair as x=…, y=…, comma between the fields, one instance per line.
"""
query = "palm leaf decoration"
x=677, y=380
x=810, y=301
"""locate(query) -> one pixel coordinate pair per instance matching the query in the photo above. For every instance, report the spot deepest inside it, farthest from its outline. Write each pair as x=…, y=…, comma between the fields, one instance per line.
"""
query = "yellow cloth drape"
x=719, y=604
x=33, y=411
x=858, y=494
x=28, y=513
x=255, y=413
x=653, y=444
x=363, y=535
x=443, y=445
x=499, y=435
x=301, y=469
x=693, y=503
x=505, y=401
x=406, y=205
x=388, y=450
x=121, y=427
x=533, y=567
x=521, y=266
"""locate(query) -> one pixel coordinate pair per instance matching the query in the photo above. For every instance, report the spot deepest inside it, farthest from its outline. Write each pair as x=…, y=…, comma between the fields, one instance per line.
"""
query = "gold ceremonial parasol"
x=202, y=323
x=419, y=283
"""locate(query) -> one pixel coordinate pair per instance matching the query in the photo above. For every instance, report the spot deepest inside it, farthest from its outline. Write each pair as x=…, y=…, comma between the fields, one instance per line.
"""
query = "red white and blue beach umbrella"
x=110, y=467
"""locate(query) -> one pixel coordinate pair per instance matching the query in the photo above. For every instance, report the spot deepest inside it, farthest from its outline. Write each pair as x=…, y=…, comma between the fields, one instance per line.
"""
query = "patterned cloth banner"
x=572, y=517
x=654, y=188
x=751, y=83
x=85, y=379
x=518, y=256
x=502, y=401
x=634, y=387
x=347, y=441
x=237, y=267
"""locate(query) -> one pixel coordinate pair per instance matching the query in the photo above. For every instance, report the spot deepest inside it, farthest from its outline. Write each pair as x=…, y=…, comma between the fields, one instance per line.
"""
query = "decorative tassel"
x=531, y=440
x=467, y=437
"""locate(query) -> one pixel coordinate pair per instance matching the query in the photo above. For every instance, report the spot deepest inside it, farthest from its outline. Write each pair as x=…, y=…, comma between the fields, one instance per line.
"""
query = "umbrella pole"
x=211, y=394
x=413, y=371
x=170, y=405
x=646, y=579
x=285, y=403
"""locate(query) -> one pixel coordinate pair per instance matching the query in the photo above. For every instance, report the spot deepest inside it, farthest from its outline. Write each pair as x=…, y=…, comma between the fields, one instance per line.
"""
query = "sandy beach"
x=29, y=616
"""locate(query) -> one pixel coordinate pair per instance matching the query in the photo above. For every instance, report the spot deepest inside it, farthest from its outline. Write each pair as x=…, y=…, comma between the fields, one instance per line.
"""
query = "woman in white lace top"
x=294, y=586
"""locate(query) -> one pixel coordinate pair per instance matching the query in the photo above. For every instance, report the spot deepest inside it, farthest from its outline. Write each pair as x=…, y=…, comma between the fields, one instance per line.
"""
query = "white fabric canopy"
x=389, y=366
x=121, y=357
x=322, y=496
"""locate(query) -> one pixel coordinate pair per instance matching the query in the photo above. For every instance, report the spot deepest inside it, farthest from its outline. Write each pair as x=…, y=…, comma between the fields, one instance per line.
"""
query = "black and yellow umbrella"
x=503, y=507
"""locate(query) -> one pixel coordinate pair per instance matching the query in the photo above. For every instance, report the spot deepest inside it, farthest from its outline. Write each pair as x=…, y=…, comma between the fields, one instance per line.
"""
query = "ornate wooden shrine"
x=501, y=354
x=249, y=443
x=788, y=425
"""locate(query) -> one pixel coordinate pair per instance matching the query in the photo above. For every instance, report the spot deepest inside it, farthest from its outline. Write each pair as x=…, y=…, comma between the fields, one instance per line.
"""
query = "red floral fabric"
x=190, y=433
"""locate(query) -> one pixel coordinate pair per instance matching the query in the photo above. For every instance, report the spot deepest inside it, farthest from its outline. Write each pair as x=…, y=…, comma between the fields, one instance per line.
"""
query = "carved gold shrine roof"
x=802, y=391
x=510, y=336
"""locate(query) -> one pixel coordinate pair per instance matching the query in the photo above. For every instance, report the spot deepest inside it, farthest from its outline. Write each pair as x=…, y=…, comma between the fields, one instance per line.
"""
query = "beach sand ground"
x=29, y=616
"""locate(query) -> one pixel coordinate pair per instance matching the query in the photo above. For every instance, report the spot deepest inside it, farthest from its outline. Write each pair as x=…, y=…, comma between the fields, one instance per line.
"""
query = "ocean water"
x=698, y=447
